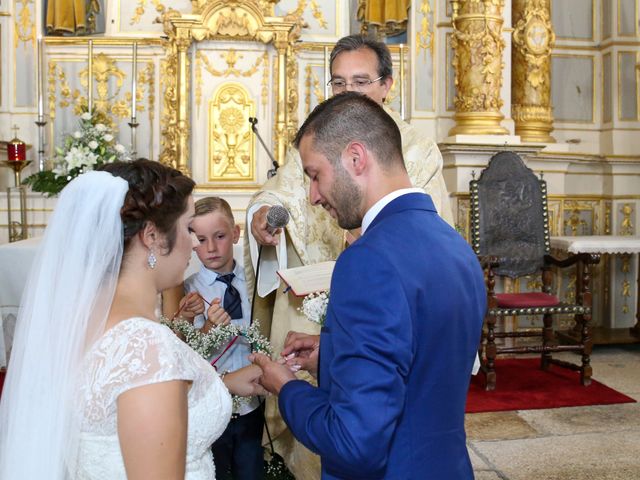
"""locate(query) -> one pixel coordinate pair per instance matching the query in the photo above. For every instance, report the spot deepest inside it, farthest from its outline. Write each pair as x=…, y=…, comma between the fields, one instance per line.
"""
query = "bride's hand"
x=191, y=305
x=245, y=381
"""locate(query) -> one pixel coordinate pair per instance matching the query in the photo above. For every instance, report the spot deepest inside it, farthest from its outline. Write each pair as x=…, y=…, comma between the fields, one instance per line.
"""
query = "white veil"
x=64, y=309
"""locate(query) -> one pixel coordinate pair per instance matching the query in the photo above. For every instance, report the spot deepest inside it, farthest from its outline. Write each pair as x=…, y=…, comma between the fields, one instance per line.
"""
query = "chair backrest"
x=509, y=217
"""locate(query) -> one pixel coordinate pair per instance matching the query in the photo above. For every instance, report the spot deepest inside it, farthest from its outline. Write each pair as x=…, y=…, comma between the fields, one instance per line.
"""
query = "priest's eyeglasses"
x=338, y=85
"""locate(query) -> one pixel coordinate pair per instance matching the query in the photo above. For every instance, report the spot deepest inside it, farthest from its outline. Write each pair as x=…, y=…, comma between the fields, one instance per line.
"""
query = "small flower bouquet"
x=84, y=150
x=314, y=307
x=206, y=343
x=216, y=338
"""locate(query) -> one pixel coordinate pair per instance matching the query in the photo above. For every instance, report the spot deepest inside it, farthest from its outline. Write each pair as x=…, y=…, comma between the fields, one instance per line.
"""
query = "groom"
x=403, y=323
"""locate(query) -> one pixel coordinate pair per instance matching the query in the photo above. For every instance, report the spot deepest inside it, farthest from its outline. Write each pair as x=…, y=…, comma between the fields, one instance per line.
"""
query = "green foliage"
x=83, y=150
x=47, y=182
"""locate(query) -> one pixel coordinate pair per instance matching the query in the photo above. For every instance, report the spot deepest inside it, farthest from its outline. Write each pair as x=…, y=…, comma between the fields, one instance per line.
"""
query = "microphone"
x=277, y=217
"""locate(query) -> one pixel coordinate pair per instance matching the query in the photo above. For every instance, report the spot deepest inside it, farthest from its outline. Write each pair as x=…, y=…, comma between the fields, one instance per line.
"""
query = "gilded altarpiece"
x=231, y=84
x=67, y=86
x=231, y=141
x=238, y=45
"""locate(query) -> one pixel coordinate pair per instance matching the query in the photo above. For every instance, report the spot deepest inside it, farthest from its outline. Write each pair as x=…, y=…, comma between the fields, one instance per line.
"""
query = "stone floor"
x=585, y=443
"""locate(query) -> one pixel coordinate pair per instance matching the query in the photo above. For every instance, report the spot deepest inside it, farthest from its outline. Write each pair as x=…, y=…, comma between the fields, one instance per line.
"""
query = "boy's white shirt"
x=204, y=282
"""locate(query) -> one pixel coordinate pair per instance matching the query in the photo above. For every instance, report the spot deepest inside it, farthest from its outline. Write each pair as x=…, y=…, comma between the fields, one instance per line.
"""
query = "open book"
x=309, y=278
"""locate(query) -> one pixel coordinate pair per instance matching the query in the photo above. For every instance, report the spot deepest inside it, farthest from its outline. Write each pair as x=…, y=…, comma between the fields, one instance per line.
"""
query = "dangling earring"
x=152, y=260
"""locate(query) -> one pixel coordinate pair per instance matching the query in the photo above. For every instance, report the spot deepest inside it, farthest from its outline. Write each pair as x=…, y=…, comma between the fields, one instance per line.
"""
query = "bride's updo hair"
x=157, y=194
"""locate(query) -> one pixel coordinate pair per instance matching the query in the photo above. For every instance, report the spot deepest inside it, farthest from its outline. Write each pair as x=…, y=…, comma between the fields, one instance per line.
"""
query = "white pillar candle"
x=90, y=76
x=39, y=79
x=134, y=80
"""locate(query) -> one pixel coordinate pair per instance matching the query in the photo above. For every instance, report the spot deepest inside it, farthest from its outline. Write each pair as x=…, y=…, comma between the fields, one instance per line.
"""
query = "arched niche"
x=244, y=21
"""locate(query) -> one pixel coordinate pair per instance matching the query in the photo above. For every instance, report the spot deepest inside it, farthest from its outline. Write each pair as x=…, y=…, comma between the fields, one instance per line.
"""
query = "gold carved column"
x=533, y=39
x=478, y=46
x=183, y=42
x=281, y=44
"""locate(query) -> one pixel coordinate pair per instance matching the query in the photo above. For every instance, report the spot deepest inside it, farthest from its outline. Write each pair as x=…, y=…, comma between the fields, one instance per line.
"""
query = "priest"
x=312, y=235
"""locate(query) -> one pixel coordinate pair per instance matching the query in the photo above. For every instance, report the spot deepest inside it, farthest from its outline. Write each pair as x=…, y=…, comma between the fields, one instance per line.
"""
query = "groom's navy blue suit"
x=396, y=352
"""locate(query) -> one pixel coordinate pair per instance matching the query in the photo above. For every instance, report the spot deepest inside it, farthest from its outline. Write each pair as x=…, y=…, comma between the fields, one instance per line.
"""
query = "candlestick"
x=39, y=79
x=17, y=230
x=134, y=149
x=134, y=81
x=90, y=77
x=17, y=167
x=41, y=123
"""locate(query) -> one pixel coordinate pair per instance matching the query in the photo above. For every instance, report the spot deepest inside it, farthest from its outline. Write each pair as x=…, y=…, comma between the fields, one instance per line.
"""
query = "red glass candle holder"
x=16, y=151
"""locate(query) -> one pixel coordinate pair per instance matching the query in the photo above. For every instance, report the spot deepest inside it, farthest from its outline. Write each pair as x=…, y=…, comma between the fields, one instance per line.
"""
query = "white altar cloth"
x=606, y=245
x=15, y=263
x=610, y=244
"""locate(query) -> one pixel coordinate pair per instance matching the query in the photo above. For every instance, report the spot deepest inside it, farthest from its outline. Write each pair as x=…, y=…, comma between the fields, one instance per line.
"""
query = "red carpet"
x=2, y=374
x=521, y=385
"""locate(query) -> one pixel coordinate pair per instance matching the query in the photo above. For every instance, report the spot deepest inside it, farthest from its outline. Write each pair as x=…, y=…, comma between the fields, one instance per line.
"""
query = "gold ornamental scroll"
x=533, y=39
x=478, y=46
x=230, y=139
x=248, y=20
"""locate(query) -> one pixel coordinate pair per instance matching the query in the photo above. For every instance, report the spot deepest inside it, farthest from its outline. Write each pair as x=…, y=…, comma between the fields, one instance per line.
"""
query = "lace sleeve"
x=134, y=353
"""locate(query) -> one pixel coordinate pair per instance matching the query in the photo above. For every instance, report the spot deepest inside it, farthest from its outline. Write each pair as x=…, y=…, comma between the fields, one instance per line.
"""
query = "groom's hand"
x=274, y=374
x=301, y=352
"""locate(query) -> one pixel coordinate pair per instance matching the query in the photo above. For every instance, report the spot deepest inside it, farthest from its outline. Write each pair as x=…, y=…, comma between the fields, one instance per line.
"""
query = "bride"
x=96, y=387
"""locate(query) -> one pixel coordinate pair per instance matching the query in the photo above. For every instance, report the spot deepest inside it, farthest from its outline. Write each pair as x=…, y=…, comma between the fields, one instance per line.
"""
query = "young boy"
x=238, y=452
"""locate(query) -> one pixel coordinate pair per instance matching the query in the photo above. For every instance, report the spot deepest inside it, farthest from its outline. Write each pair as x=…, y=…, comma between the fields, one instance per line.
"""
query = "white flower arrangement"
x=83, y=150
x=207, y=343
x=314, y=307
x=92, y=145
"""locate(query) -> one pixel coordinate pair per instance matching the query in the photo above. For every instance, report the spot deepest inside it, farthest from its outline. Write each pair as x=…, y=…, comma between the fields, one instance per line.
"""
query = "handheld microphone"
x=277, y=217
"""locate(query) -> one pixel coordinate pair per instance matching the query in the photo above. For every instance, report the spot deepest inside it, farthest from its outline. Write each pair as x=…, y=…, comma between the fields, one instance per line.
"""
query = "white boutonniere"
x=314, y=307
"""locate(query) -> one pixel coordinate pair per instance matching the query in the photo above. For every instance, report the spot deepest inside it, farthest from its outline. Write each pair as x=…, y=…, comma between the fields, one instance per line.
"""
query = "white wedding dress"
x=138, y=352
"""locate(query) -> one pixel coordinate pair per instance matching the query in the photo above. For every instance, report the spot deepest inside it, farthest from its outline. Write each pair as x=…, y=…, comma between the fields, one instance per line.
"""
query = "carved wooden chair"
x=510, y=234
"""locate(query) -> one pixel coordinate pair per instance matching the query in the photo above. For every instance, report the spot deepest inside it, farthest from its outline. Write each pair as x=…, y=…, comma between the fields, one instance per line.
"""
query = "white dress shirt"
x=204, y=282
x=377, y=207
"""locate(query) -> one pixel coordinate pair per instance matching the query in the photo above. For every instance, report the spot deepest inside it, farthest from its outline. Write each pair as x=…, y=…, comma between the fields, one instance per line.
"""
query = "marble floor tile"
x=477, y=462
x=600, y=442
x=598, y=418
x=487, y=475
x=497, y=426
x=611, y=456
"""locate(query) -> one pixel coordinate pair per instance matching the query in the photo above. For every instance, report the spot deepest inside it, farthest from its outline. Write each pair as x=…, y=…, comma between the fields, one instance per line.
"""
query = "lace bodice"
x=138, y=352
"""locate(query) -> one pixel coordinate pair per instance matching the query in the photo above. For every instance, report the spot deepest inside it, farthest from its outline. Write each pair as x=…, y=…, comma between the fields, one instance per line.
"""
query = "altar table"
x=15, y=263
x=605, y=245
